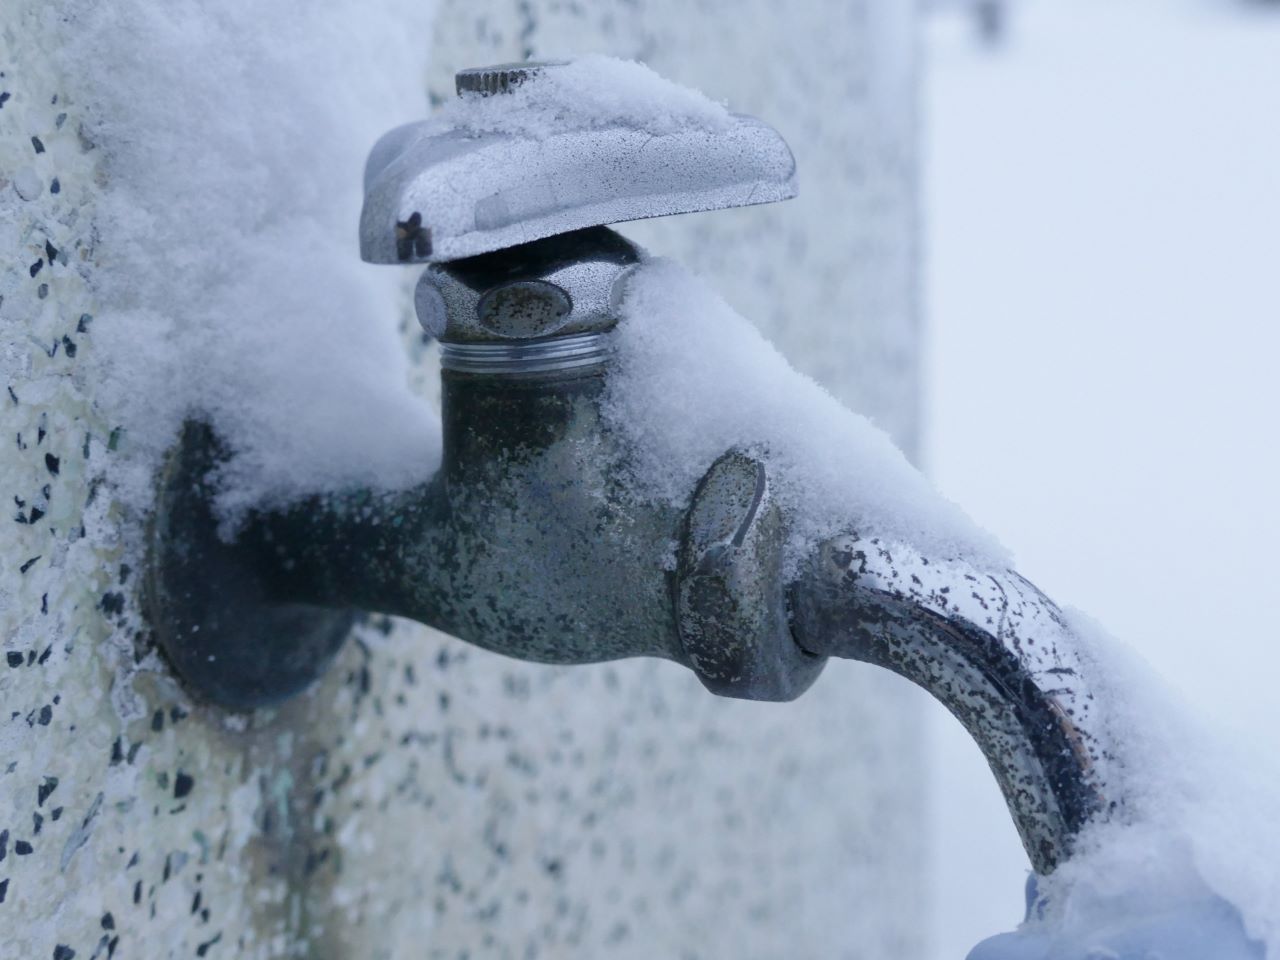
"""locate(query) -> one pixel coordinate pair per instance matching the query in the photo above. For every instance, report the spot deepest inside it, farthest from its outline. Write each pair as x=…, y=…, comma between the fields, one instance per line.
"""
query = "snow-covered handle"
x=529, y=153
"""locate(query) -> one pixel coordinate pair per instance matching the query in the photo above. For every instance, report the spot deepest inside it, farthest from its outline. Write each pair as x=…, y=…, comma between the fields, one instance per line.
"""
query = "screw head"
x=500, y=78
x=524, y=309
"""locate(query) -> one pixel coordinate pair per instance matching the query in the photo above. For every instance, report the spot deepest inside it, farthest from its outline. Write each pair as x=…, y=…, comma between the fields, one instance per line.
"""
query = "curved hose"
x=994, y=650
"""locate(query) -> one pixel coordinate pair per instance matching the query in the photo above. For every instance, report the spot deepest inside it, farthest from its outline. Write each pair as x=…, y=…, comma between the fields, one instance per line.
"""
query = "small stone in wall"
x=45, y=789
x=27, y=184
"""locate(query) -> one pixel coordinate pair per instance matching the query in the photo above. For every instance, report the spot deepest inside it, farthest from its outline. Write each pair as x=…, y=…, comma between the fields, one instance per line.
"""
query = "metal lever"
x=436, y=193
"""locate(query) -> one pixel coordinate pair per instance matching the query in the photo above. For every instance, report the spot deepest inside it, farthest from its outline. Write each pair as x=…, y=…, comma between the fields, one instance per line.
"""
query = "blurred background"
x=1101, y=217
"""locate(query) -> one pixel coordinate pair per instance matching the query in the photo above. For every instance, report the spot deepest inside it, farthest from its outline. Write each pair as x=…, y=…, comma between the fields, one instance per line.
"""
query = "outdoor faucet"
x=530, y=541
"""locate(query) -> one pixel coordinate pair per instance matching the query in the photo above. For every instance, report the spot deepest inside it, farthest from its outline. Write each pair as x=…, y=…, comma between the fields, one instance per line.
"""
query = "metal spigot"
x=529, y=540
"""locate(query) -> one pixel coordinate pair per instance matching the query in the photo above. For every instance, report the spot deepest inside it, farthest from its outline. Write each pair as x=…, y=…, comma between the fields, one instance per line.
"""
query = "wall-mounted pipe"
x=530, y=542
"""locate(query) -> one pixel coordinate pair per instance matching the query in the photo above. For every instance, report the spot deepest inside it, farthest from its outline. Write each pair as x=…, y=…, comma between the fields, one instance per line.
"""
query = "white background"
x=1102, y=222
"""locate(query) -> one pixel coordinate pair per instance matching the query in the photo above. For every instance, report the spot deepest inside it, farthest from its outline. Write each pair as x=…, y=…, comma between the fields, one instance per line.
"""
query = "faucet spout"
x=994, y=650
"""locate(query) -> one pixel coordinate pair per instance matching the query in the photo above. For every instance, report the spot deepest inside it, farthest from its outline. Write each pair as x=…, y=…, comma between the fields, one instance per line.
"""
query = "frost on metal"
x=424, y=798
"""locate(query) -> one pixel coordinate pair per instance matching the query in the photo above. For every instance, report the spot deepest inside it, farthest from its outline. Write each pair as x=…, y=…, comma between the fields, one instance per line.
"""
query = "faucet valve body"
x=530, y=540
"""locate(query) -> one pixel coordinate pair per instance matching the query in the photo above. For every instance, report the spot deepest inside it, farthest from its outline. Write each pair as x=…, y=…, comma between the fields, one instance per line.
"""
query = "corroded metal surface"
x=529, y=541
x=211, y=604
x=525, y=543
x=994, y=650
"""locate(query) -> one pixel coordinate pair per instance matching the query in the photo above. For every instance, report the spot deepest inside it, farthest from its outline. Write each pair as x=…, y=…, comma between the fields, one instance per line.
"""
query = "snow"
x=583, y=93
x=692, y=379
x=1201, y=805
x=1102, y=217
x=227, y=263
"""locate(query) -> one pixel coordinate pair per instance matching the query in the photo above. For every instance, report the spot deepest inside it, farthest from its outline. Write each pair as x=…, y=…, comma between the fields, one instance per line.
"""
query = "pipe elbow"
x=994, y=650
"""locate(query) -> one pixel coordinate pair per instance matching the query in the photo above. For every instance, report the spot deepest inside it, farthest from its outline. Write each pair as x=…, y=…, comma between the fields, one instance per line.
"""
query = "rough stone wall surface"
x=426, y=799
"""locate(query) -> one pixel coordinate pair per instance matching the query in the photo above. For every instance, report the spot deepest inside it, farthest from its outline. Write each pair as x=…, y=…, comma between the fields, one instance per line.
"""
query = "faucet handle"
x=440, y=190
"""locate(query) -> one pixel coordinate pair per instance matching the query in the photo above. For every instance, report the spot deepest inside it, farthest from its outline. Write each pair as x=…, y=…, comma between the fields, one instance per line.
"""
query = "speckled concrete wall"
x=426, y=799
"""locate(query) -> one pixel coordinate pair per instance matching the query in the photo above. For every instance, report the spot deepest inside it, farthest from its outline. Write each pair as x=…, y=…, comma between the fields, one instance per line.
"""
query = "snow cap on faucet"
x=533, y=150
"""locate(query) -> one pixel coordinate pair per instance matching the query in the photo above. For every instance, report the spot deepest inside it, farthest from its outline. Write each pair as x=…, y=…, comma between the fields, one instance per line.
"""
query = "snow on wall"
x=425, y=798
x=233, y=147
